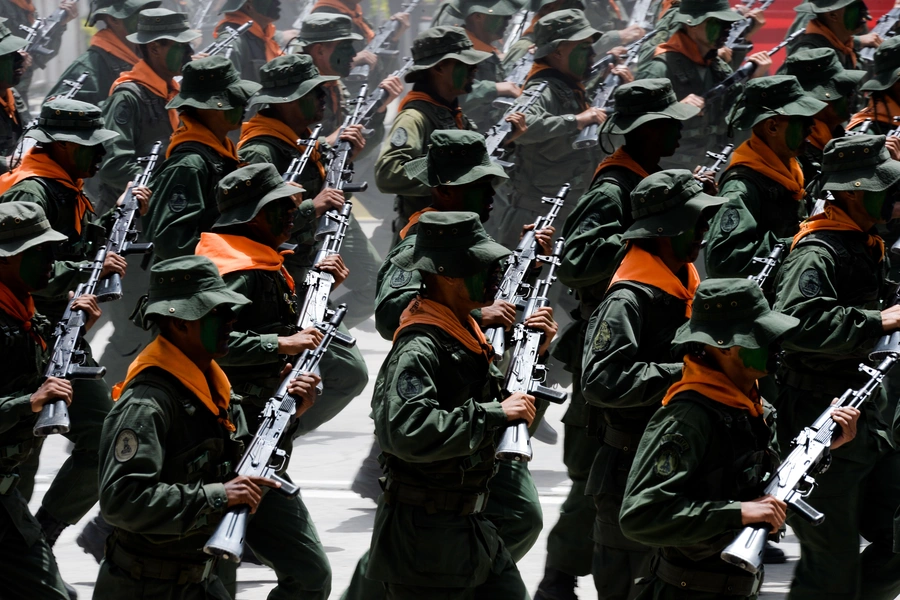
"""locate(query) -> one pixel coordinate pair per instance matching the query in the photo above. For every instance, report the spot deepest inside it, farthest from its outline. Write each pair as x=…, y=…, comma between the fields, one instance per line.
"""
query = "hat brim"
x=728, y=16
x=805, y=106
x=289, y=93
x=621, y=124
x=881, y=81
x=237, y=94
x=11, y=43
x=469, y=56
x=13, y=247
x=418, y=169
x=86, y=137
x=194, y=307
x=586, y=33
x=451, y=263
x=130, y=8
x=809, y=7
x=675, y=221
x=245, y=213
x=145, y=37
x=231, y=6
x=350, y=36
x=865, y=179
x=759, y=333
x=503, y=8
x=837, y=87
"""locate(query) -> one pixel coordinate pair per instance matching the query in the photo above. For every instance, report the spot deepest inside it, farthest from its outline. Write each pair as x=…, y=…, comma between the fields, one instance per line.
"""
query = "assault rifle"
x=517, y=75
x=516, y=28
x=885, y=27
x=769, y=263
x=526, y=373
x=499, y=134
x=863, y=129
x=201, y=15
x=744, y=72
x=41, y=34
x=225, y=40
x=740, y=29
x=378, y=97
x=295, y=169
x=719, y=160
x=383, y=44
x=263, y=457
x=67, y=360
x=123, y=236
x=513, y=288
x=26, y=143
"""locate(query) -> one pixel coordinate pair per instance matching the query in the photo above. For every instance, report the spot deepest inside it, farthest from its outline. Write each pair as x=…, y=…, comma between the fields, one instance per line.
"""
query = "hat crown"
x=773, y=92
x=887, y=56
x=559, y=25
x=287, y=69
x=813, y=65
x=663, y=191
x=162, y=20
x=21, y=221
x=697, y=8
x=728, y=301
x=182, y=277
x=247, y=185
x=210, y=74
x=459, y=146
x=854, y=152
x=644, y=96
x=439, y=41
x=449, y=230
x=503, y=8
x=320, y=27
x=63, y=114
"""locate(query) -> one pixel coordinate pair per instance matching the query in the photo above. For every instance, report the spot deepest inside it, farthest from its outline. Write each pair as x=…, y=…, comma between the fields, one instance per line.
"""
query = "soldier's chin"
x=469, y=87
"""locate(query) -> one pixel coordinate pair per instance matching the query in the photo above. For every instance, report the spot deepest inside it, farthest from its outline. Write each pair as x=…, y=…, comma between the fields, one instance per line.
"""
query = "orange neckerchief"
x=479, y=45
x=577, y=86
x=214, y=392
x=232, y=253
x=820, y=135
x=755, y=154
x=23, y=313
x=105, y=39
x=416, y=95
x=260, y=125
x=643, y=267
x=620, y=158
x=530, y=30
x=715, y=385
x=147, y=77
x=39, y=164
x=9, y=106
x=682, y=44
x=835, y=219
x=413, y=219
x=815, y=27
x=192, y=130
x=355, y=14
x=882, y=110
x=422, y=311
x=267, y=35
x=26, y=5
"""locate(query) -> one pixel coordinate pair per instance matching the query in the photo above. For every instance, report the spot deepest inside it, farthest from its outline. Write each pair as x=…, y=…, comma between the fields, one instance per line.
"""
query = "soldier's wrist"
x=495, y=415
x=216, y=498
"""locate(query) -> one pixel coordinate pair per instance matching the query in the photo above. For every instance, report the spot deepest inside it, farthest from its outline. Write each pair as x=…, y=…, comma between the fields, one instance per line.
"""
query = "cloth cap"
x=8, y=42
x=442, y=43
x=858, y=162
x=24, y=225
x=120, y=9
x=766, y=97
x=824, y=6
x=668, y=203
x=326, y=27
x=500, y=8
x=569, y=25
x=231, y=6
x=536, y=5
x=821, y=74
x=454, y=157
x=287, y=78
x=162, y=24
x=242, y=193
x=212, y=83
x=885, y=67
x=642, y=101
x=694, y=12
x=63, y=120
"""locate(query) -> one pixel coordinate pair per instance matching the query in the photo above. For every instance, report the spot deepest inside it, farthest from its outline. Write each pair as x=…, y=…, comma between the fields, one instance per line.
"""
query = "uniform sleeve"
x=544, y=121
x=412, y=425
x=176, y=209
x=14, y=408
x=406, y=141
x=120, y=165
x=483, y=92
x=246, y=347
x=612, y=376
x=395, y=289
x=652, y=69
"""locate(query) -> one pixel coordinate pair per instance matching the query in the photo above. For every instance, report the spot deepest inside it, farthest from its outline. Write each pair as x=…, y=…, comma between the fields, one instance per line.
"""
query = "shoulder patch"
x=400, y=278
x=810, y=285
x=126, y=445
x=730, y=220
x=602, y=337
x=178, y=200
x=123, y=114
x=667, y=462
x=399, y=138
x=676, y=441
x=592, y=221
x=409, y=385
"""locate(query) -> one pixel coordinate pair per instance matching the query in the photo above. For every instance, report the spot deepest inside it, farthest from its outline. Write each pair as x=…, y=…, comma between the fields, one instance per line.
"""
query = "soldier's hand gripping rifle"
x=517, y=74
x=41, y=34
x=768, y=265
x=298, y=165
x=263, y=457
x=739, y=30
x=123, y=235
x=885, y=27
x=225, y=39
x=744, y=72
x=719, y=159
x=497, y=136
x=525, y=372
x=378, y=98
x=384, y=43
x=513, y=288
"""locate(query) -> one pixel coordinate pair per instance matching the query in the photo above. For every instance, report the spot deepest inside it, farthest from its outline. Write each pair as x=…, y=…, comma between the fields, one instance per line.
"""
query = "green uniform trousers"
x=363, y=260
x=504, y=583
x=113, y=582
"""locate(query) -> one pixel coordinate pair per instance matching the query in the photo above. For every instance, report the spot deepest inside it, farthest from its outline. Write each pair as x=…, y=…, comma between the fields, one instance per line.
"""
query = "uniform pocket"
x=445, y=544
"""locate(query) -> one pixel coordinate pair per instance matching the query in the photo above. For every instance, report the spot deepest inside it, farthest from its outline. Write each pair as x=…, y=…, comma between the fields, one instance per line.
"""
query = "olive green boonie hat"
x=733, y=312
x=212, y=83
x=858, y=162
x=231, y=6
x=24, y=225
x=823, y=6
x=442, y=43
x=885, y=67
x=162, y=24
x=120, y=9
x=326, y=27
x=73, y=121
x=500, y=8
x=287, y=78
x=775, y=96
x=695, y=12
x=821, y=74
x=569, y=25
x=244, y=192
x=187, y=288
x=8, y=42
x=668, y=203
x=454, y=157
x=642, y=101
x=452, y=244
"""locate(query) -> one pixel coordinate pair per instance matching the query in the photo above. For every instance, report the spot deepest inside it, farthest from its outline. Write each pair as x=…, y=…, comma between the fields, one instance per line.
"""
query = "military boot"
x=556, y=585
x=53, y=528
x=366, y=481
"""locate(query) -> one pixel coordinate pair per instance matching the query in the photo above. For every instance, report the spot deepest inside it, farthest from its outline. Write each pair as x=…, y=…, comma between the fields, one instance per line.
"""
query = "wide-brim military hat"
x=244, y=192
x=454, y=157
x=324, y=27
x=231, y=6
x=885, y=67
x=287, y=78
x=120, y=9
x=188, y=288
x=500, y=8
x=438, y=44
x=775, y=96
x=823, y=6
x=162, y=24
x=695, y=12
x=669, y=203
x=821, y=74
x=569, y=25
x=24, y=225
x=452, y=244
x=8, y=42
x=858, y=163
x=733, y=312
x=645, y=100
x=536, y=5
x=63, y=120
x=213, y=83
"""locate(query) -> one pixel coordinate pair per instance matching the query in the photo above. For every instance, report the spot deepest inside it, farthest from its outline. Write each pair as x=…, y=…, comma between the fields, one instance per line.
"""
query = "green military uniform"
x=29, y=568
x=418, y=118
x=833, y=281
x=521, y=46
x=705, y=451
x=248, y=52
x=761, y=210
x=168, y=446
x=102, y=67
x=16, y=16
x=628, y=361
x=183, y=202
x=11, y=127
x=881, y=85
x=814, y=40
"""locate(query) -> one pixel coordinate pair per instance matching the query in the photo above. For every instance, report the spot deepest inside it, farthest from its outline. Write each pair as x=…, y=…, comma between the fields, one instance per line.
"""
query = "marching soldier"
x=541, y=8
x=883, y=109
x=15, y=111
x=833, y=24
x=256, y=47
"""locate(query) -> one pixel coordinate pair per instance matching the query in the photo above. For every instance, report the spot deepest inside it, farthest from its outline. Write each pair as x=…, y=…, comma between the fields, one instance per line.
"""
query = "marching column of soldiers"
x=728, y=236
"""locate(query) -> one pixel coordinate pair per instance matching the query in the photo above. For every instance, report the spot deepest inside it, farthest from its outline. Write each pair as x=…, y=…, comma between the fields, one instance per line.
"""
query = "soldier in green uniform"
x=211, y=103
x=833, y=25
x=257, y=46
x=628, y=361
x=171, y=441
x=109, y=54
x=15, y=114
x=649, y=118
x=699, y=469
x=883, y=88
x=26, y=262
x=833, y=282
x=541, y=8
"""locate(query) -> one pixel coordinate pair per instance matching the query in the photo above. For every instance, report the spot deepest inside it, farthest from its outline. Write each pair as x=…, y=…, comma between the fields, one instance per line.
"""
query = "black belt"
x=140, y=567
x=705, y=581
x=461, y=503
x=623, y=440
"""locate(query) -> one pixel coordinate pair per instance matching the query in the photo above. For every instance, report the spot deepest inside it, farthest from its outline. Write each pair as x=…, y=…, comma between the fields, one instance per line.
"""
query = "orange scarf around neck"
x=417, y=95
x=9, y=106
x=755, y=154
x=267, y=35
x=28, y=6
x=260, y=125
x=528, y=32
x=413, y=219
x=480, y=45
x=23, y=313
x=681, y=43
x=815, y=27
x=355, y=14
x=821, y=134
x=882, y=110
x=142, y=74
x=192, y=130
x=715, y=385
x=422, y=311
x=620, y=158
x=106, y=40
x=213, y=391
x=835, y=219
x=39, y=164
x=643, y=267
x=232, y=253
x=577, y=86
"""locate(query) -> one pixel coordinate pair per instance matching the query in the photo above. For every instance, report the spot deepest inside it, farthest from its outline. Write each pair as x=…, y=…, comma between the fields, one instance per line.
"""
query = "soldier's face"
x=214, y=329
x=341, y=57
x=36, y=266
x=662, y=134
x=176, y=55
x=11, y=69
x=483, y=286
x=476, y=197
x=716, y=32
x=276, y=220
x=854, y=16
x=85, y=159
x=462, y=76
x=686, y=246
x=579, y=59
x=882, y=205
x=269, y=8
x=312, y=105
